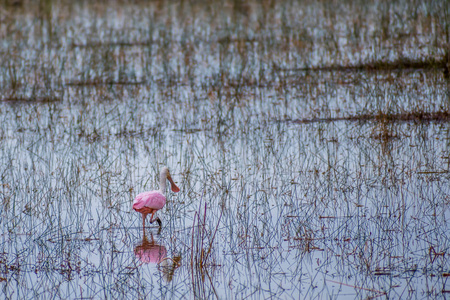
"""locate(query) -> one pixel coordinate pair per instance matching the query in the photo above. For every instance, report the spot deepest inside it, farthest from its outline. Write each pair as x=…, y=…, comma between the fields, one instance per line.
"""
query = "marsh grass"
x=416, y=116
x=400, y=64
x=309, y=140
x=202, y=260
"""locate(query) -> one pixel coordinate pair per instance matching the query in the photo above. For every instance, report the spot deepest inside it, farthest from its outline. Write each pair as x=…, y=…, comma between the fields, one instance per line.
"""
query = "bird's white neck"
x=162, y=182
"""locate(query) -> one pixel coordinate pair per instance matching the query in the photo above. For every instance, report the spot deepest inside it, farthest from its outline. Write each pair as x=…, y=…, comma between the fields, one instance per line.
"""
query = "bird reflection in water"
x=152, y=252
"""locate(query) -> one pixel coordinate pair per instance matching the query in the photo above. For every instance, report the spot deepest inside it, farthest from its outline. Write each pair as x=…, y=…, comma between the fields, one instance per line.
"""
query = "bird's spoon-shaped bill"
x=173, y=186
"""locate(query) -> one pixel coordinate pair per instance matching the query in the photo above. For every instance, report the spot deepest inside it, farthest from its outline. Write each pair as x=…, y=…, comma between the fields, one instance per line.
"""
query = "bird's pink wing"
x=154, y=200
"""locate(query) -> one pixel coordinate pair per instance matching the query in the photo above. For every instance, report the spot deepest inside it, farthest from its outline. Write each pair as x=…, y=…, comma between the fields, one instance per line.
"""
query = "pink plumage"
x=153, y=200
x=150, y=202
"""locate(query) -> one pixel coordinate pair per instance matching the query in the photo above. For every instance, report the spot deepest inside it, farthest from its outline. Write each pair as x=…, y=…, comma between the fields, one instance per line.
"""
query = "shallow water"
x=97, y=99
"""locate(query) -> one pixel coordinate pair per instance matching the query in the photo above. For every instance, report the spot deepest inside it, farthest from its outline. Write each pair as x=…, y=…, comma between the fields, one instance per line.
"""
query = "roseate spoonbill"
x=150, y=202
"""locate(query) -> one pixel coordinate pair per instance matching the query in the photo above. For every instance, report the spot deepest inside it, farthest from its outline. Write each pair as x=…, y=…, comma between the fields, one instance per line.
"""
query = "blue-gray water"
x=97, y=98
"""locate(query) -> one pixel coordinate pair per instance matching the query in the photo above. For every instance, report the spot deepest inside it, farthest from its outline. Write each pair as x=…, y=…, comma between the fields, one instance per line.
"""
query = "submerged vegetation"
x=310, y=141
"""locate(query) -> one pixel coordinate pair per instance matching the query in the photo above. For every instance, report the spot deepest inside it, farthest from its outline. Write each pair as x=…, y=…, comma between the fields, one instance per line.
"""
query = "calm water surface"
x=96, y=99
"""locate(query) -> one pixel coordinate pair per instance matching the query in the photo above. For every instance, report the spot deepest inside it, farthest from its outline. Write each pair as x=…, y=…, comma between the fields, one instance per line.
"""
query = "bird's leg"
x=157, y=220
x=151, y=218
x=159, y=230
x=143, y=222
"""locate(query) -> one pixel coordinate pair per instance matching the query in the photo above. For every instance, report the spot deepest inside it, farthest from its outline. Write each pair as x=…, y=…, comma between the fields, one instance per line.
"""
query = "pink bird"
x=150, y=202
